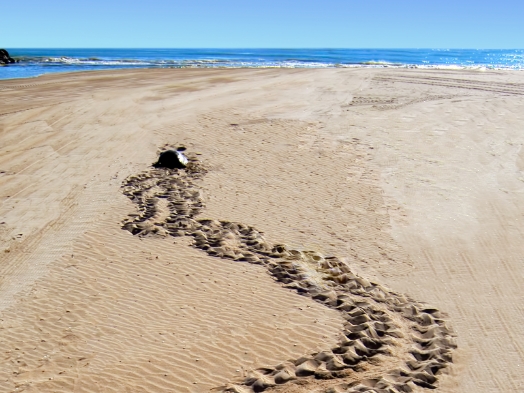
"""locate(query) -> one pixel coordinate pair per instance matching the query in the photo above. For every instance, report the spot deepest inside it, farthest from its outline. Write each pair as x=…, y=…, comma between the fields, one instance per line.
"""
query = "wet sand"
x=411, y=178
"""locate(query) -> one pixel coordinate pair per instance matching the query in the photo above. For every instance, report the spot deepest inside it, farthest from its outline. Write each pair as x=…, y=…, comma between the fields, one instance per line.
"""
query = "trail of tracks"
x=390, y=342
x=459, y=83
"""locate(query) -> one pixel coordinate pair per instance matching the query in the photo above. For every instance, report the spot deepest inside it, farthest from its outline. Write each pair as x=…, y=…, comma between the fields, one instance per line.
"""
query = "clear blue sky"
x=262, y=23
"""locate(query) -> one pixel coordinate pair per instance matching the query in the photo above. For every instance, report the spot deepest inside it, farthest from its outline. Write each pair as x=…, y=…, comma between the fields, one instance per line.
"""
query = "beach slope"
x=412, y=178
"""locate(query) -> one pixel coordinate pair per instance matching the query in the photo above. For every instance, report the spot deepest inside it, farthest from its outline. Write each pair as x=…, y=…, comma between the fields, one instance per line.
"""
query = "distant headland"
x=5, y=58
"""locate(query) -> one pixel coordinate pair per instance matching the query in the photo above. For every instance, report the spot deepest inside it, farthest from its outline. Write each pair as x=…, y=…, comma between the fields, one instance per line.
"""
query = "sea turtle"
x=172, y=159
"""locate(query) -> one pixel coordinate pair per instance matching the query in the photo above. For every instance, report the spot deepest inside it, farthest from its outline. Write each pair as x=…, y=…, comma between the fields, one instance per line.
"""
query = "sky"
x=472, y=24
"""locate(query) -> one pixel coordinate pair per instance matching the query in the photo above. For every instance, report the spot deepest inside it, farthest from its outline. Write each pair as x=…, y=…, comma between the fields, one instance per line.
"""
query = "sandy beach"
x=413, y=179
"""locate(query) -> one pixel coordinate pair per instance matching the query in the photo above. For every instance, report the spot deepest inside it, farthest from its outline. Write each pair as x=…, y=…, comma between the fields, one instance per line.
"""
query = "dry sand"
x=413, y=178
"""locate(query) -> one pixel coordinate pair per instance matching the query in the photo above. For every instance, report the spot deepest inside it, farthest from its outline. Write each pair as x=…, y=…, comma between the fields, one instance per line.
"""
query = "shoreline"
x=443, y=68
x=49, y=60
x=412, y=178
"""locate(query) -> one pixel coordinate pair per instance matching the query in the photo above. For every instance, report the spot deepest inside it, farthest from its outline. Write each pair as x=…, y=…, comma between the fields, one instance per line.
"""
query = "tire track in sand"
x=390, y=342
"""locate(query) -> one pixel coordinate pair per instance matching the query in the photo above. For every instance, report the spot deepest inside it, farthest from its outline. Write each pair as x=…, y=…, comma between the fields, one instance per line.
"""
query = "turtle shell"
x=172, y=159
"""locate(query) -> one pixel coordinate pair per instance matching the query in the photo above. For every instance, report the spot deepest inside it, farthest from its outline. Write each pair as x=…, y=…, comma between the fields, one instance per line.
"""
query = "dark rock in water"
x=5, y=58
x=172, y=159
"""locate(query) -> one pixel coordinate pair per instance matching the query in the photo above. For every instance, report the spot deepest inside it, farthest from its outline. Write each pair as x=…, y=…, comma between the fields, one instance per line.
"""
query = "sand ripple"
x=391, y=343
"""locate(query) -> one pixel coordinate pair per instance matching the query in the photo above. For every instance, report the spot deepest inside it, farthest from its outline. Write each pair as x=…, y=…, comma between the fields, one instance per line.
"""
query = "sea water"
x=34, y=62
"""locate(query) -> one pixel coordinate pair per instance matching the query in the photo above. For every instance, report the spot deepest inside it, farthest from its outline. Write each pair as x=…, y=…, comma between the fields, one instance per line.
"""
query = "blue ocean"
x=34, y=62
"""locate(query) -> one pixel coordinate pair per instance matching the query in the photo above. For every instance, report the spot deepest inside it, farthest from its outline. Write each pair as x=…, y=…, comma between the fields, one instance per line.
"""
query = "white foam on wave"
x=93, y=62
x=237, y=63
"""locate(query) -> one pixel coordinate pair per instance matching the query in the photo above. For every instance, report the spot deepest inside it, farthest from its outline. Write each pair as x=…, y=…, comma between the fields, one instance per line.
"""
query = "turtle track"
x=389, y=344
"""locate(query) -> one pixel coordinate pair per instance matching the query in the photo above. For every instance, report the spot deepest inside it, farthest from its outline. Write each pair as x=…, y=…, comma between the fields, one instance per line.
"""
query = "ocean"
x=34, y=62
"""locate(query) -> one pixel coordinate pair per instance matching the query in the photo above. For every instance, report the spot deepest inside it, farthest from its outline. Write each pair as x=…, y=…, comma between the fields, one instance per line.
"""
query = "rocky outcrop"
x=5, y=58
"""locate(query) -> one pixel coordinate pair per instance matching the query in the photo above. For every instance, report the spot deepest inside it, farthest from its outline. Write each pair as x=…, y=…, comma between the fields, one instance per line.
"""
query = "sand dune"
x=411, y=178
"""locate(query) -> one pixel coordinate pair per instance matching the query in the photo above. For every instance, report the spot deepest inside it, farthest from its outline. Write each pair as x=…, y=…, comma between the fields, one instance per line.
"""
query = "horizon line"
x=266, y=48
